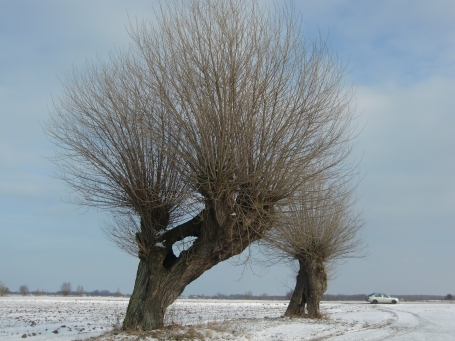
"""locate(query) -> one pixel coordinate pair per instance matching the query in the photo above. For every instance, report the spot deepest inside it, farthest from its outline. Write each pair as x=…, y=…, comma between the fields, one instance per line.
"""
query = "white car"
x=381, y=298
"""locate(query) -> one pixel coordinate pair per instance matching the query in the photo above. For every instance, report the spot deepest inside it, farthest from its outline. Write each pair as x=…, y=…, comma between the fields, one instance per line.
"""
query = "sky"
x=400, y=56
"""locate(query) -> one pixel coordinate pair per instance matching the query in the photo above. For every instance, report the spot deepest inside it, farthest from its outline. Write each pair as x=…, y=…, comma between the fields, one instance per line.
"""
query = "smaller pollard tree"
x=320, y=227
x=80, y=290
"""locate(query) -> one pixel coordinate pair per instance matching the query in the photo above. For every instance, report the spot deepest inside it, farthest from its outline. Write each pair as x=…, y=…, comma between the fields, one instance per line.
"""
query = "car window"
x=384, y=295
x=378, y=295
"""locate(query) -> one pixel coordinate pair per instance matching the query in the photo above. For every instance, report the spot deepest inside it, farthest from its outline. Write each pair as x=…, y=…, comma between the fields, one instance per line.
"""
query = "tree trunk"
x=146, y=307
x=296, y=307
x=162, y=277
x=317, y=286
x=310, y=286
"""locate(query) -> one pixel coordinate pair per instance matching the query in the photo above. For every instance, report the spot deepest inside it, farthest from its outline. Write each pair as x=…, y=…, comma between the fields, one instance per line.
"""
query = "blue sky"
x=401, y=57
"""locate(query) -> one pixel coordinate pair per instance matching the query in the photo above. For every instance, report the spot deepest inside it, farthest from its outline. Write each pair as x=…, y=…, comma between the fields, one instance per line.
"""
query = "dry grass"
x=169, y=333
x=176, y=330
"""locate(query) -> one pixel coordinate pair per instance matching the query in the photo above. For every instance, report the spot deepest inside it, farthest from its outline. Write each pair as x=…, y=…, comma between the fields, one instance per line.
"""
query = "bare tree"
x=194, y=136
x=80, y=290
x=23, y=290
x=65, y=288
x=248, y=295
x=118, y=293
x=3, y=289
x=316, y=229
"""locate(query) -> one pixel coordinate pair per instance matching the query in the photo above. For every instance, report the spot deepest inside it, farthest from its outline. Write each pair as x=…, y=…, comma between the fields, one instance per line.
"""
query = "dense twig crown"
x=219, y=106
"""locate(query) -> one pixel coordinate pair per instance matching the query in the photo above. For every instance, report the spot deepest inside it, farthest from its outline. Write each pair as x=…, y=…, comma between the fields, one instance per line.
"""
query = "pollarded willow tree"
x=198, y=131
x=317, y=228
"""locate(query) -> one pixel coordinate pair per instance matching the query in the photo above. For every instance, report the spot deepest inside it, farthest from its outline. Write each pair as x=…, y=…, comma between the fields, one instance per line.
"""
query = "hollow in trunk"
x=162, y=276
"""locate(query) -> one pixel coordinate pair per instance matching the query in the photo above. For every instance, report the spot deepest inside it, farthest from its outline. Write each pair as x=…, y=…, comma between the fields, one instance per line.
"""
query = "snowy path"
x=406, y=321
x=423, y=322
x=71, y=318
x=360, y=321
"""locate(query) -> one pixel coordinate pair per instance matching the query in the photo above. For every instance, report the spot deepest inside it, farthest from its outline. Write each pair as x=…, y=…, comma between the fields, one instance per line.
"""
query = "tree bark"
x=310, y=286
x=162, y=277
x=143, y=313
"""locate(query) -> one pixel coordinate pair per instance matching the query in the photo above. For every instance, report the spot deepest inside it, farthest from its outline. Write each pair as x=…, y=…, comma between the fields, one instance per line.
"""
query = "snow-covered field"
x=78, y=318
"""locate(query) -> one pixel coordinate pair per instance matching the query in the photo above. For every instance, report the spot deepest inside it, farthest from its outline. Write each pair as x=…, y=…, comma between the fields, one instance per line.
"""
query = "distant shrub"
x=449, y=297
x=80, y=290
x=342, y=297
x=3, y=290
x=23, y=290
x=118, y=293
x=248, y=295
x=65, y=288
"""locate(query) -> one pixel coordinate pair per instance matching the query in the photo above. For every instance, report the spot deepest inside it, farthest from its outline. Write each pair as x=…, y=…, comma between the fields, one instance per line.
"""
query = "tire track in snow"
x=399, y=324
x=359, y=332
x=408, y=322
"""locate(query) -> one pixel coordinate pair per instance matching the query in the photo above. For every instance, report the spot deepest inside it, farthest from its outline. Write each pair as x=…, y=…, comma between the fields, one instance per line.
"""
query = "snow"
x=72, y=318
x=85, y=317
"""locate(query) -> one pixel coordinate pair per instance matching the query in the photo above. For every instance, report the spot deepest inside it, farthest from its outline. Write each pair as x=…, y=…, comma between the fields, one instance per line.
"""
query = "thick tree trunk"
x=147, y=305
x=310, y=286
x=162, y=277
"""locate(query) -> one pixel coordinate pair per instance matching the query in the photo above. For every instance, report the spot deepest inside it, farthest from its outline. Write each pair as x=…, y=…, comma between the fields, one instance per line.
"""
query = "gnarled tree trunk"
x=162, y=277
x=149, y=301
x=310, y=286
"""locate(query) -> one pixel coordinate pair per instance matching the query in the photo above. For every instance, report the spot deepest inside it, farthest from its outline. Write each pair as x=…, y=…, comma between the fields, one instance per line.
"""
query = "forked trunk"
x=162, y=276
x=310, y=286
